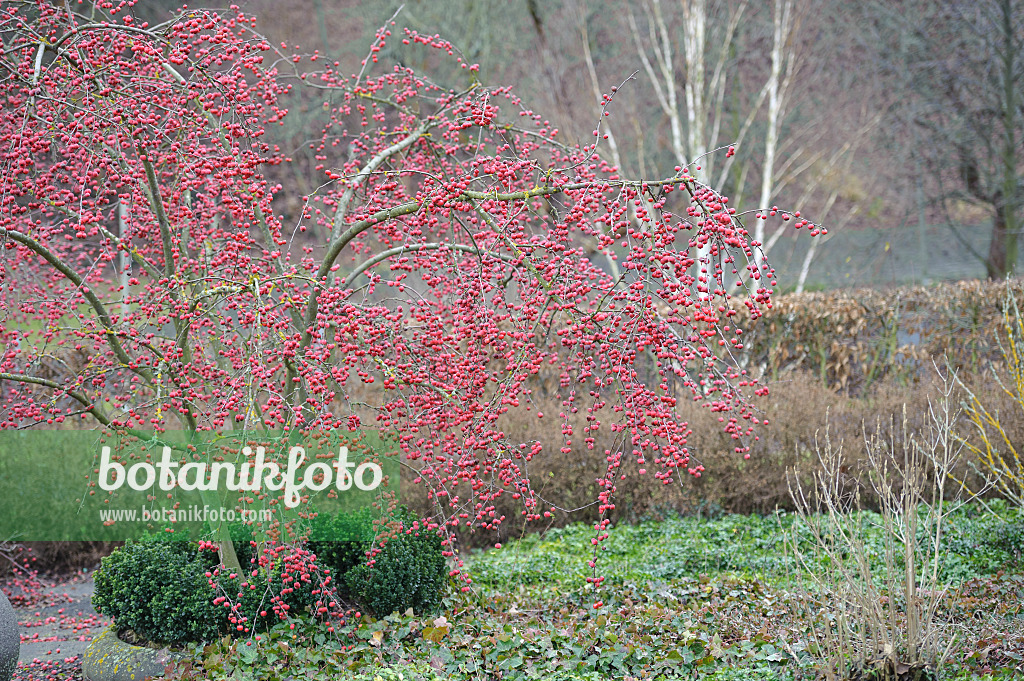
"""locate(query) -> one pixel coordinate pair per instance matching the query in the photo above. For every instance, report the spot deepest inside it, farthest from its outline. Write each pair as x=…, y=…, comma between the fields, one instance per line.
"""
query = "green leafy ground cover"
x=684, y=598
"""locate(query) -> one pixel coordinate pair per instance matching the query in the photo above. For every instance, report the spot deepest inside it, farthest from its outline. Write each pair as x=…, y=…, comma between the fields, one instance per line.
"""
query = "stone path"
x=57, y=623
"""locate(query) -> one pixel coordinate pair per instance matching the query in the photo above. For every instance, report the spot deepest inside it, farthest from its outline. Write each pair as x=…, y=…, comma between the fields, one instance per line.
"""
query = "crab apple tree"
x=148, y=284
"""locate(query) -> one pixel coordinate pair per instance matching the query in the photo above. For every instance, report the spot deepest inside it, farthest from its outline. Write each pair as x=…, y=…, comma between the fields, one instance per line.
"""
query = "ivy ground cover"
x=682, y=598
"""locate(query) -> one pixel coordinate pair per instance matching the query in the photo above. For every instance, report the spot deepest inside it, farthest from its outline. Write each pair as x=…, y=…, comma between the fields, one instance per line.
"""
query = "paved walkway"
x=57, y=623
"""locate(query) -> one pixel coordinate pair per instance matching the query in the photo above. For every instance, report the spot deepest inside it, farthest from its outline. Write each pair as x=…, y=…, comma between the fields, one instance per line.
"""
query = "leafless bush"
x=873, y=606
x=994, y=408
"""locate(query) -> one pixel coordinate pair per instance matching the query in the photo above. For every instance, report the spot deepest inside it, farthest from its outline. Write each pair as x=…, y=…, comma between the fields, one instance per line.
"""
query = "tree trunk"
x=1002, y=255
x=776, y=110
x=1002, y=251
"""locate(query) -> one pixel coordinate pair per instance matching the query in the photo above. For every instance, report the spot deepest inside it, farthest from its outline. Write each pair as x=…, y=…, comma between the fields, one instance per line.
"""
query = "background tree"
x=960, y=67
x=720, y=72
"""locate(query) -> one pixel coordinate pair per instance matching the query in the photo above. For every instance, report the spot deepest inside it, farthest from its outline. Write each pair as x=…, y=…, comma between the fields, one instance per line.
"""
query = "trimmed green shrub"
x=242, y=539
x=287, y=582
x=340, y=542
x=158, y=588
x=409, y=572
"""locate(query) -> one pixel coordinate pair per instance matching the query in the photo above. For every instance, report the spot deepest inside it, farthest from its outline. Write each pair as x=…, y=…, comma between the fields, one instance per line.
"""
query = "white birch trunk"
x=776, y=107
x=694, y=39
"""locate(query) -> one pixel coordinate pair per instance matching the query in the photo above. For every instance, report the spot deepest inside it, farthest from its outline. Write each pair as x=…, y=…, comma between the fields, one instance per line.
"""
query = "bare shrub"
x=873, y=606
x=796, y=408
x=995, y=409
x=52, y=557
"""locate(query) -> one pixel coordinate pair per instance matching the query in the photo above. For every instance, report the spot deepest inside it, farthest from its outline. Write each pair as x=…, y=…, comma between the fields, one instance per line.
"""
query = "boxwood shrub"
x=287, y=582
x=340, y=542
x=158, y=588
x=409, y=572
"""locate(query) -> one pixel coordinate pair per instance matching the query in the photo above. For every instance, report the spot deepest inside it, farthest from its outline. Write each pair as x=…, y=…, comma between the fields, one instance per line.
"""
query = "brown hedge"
x=852, y=339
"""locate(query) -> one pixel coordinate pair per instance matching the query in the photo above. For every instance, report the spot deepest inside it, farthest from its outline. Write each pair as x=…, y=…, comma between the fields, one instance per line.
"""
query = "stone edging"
x=10, y=639
x=111, y=659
